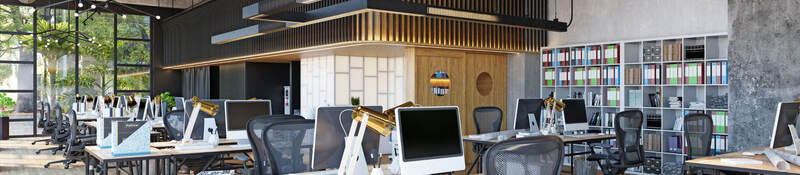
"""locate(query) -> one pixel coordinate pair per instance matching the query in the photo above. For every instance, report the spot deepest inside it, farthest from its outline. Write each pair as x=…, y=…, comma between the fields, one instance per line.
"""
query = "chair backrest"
x=289, y=143
x=173, y=123
x=58, y=119
x=487, y=119
x=698, y=129
x=530, y=155
x=628, y=128
x=255, y=131
x=73, y=125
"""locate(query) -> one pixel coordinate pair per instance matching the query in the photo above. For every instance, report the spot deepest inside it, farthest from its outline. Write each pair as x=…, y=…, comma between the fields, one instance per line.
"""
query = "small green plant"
x=6, y=104
x=167, y=97
x=355, y=101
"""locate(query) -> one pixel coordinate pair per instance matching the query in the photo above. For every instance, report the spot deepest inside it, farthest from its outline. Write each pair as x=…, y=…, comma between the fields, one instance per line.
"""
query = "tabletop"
x=169, y=144
x=221, y=149
x=715, y=162
x=154, y=125
x=105, y=154
x=565, y=139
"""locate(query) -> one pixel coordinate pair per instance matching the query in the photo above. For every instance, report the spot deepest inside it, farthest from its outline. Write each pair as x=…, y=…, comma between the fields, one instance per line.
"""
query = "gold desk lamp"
x=199, y=105
x=381, y=122
x=552, y=105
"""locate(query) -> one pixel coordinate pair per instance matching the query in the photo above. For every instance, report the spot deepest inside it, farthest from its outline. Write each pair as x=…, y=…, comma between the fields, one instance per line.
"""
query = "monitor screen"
x=331, y=125
x=238, y=112
x=429, y=133
x=574, y=111
x=200, y=123
x=526, y=107
x=786, y=115
x=116, y=102
x=140, y=111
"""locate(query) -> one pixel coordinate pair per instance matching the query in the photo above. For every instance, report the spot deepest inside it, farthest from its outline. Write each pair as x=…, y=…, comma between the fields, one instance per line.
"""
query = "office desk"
x=155, y=126
x=715, y=163
x=226, y=146
x=170, y=144
x=86, y=117
x=384, y=168
x=102, y=157
x=568, y=141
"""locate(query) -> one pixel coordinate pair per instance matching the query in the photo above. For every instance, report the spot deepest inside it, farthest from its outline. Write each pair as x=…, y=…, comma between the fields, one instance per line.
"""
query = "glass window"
x=16, y=18
x=23, y=108
x=133, y=78
x=15, y=48
x=16, y=76
x=97, y=55
x=133, y=26
x=133, y=52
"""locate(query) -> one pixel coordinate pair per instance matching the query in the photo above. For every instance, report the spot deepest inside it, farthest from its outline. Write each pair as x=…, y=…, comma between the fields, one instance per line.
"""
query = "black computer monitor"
x=197, y=133
x=575, y=118
x=429, y=140
x=786, y=115
x=141, y=109
x=331, y=126
x=117, y=102
x=526, y=108
x=238, y=112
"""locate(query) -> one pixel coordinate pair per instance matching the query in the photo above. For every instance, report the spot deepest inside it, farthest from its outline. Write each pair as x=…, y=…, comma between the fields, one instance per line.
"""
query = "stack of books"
x=611, y=75
x=594, y=76
x=579, y=77
x=720, y=119
x=611, y=54
x=673, y=52
x=612, y=96
x=675, y=144
x=675, y=102
x=674, y=74
x=547, y=58
x=635, y=98
x=594, y=99
x=652, y=74
x=633, y=76
x=563, y=76
x=561, y=56
x=694, y=73
x=717, y=73
x=697, y=105
x=579, y=56
x=652, y=142
x=549, y=77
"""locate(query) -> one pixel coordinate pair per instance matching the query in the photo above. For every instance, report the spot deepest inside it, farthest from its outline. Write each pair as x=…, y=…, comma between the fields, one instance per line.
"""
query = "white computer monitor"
x=784, y=116
x=429, y=140
x=575, y=118
x=238, y=112
x=528, y=113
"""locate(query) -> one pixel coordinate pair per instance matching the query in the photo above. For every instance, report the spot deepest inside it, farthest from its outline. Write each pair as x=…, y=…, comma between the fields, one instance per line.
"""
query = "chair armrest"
x=243, y=158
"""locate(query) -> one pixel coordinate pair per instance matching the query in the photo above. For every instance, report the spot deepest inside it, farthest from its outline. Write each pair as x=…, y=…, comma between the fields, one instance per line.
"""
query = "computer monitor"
x=429, y=140
x=117, y=102
x=331, y=126
x=238, y=112
x=197, y=133
x=525, y=109
x=785, y=115
x=142, y=108
x=575, y=115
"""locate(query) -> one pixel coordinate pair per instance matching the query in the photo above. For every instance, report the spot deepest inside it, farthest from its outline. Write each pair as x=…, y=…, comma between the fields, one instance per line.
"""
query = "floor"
x=17, y=157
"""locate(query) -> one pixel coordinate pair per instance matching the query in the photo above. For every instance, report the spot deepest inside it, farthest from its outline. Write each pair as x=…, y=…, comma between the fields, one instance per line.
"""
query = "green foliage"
x=167, y=97
x=355, y=101
x=6, y=103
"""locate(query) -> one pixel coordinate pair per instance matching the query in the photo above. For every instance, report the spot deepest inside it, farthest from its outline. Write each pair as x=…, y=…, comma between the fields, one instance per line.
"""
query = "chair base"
x=53, y=149
x=66, y=162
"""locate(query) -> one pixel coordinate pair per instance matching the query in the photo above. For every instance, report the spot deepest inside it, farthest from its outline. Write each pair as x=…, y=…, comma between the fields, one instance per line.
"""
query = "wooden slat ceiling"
x=179, y=4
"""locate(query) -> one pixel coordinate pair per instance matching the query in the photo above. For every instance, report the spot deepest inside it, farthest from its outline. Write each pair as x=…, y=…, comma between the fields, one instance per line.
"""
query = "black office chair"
x=60, y=133
x=698, y=130
x=173, y=123
x=45, y=122
x=289, y=144
x=75, y=144
x=530, y=155
x=487, y=119
x=628, y=129
x=255, y=128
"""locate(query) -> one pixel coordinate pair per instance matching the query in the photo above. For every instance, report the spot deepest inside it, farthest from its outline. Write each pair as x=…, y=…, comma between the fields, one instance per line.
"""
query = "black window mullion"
x=133, y=65
x=133, y=39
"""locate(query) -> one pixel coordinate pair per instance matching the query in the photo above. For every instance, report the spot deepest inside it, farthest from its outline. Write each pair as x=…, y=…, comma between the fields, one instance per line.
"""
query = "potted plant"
x=168, y=100
x=355, y=101
x=6, y=106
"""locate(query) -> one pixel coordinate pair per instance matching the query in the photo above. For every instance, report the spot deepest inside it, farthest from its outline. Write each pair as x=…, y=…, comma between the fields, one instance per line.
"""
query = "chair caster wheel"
x=37, y=152
x=46, y=166
x=66, y=166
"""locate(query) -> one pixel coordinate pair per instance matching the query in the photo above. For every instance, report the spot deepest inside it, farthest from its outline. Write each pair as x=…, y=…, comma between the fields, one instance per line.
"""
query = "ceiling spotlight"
x=80, y=5
x=158, y=17
x=93, y=6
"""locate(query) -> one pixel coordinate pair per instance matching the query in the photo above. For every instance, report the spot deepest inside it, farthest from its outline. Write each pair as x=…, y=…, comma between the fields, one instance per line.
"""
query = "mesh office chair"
x=289, y=144
x=75, y=143
x=255, y=131
x=60, y=133
x=45, y=123
x=530, y=155
x=173, y=123
x=698, y=129
x=628, y=128
x=487, y=119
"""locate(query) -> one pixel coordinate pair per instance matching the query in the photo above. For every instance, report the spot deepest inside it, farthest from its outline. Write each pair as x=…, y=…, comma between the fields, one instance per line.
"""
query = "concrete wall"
x=523, y=81
x=764, y=66
x=611, y=20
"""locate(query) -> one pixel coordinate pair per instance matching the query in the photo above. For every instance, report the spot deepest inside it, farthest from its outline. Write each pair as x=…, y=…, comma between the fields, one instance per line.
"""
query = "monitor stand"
x=240, y=143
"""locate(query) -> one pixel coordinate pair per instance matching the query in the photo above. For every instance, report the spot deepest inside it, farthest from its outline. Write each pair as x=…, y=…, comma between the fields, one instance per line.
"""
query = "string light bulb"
x=124, y=16
x=80, y=5
x=158, y=17
x=93, y=6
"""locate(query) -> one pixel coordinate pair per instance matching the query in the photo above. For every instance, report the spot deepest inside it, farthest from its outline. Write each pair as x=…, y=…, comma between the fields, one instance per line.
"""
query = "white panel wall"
x=332, y=80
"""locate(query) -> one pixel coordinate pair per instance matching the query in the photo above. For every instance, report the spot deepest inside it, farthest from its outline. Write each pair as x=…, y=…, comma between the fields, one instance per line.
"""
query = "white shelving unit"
x=631, y=55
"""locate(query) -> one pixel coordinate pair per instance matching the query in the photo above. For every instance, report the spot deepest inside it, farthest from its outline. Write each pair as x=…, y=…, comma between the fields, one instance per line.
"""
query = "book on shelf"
x=635, y=98
x=720, y=119
x=594, y=76
x=547, y=58
x=633, y=76
x=652, y=142
x=720, y=143
x=674, y=74
x=562, y=57
x=673, y=52
x=611, y=75
x=594, y=55
x=717, y=73
x=694, y=73
x=612, y=96
x=675, y=144
x=595, y=119
x=593, y=98
x=652, y=74
x=580, y=76
x=549, y=77
x=563, y=76
x=612, y=54
x=579, y=56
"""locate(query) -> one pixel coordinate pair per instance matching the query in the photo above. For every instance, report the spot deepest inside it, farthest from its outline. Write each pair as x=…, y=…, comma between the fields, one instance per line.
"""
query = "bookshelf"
x=623, y=75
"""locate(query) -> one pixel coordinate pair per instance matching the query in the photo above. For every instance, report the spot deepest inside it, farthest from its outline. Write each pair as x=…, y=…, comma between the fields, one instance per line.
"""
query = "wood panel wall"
x=463, y=67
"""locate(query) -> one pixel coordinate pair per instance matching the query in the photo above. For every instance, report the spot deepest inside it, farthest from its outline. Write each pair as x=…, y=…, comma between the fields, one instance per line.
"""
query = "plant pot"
x=4, y=128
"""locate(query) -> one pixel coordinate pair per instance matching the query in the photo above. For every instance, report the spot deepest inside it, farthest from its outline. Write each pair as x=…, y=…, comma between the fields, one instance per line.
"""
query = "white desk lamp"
x=199, y=105
x=353, y=162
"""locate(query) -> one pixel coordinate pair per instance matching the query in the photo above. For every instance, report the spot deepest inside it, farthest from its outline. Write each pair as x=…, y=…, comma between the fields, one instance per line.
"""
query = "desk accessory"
x=103, y=127
x=776, y=160
x=199, y=105
x=353, y=162
x=130, y=138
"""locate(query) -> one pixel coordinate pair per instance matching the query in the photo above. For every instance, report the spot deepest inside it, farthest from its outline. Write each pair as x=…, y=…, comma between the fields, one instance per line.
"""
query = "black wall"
x=240, y=81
